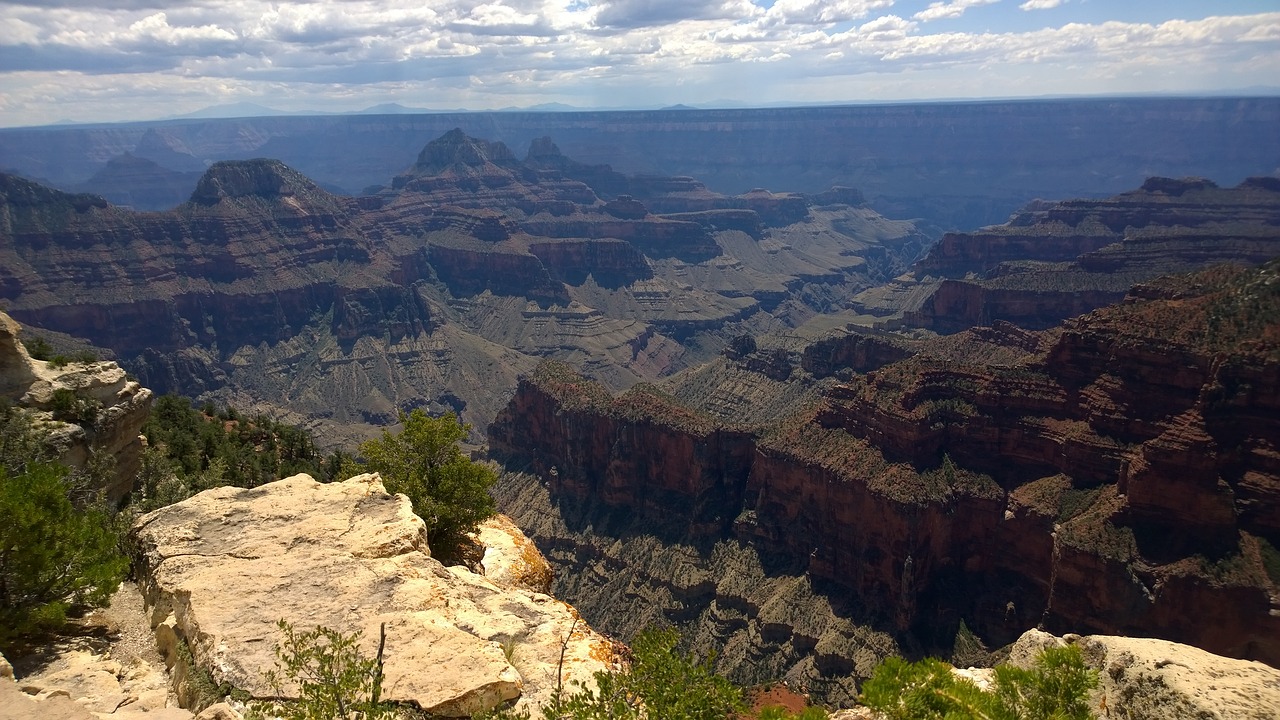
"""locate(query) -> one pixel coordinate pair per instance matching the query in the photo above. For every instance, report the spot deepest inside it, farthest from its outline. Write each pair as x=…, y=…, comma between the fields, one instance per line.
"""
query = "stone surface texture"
x=220, y=569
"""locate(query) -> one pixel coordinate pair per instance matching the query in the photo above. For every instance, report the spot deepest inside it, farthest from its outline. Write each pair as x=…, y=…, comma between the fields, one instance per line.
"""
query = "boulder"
x=220, y=569
x=511, y=560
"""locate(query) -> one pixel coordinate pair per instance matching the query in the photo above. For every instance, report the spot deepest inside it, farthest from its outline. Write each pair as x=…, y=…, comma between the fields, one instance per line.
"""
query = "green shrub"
x=334, y=680
x=69, y=407
x=52, y=555
x=196, y=450
x=38, y=348
x=1056, y=688
x=59, y=361
x=423, y=461
x=20, y=442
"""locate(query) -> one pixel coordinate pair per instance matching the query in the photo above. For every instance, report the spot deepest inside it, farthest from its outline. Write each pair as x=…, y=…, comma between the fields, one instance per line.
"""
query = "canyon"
x=434, y=291
x=790, y=424
x=1115, y=474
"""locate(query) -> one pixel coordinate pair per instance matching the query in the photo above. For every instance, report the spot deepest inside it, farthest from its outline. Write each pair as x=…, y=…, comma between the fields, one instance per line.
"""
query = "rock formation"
x=266, y=291
x=219, y=570
x=1116, y=474
x=113, y=408
x=1055, y=260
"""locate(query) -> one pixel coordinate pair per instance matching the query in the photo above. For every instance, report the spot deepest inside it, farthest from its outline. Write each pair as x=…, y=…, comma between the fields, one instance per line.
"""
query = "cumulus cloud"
x=496, y=53
x=1040, y=4
x=949, y=9
x=625, y=14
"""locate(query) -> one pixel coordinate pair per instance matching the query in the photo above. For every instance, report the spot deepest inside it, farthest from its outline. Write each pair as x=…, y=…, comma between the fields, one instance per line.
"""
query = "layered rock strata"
x=1116, y=474
x=1055, y=260
x=263, y=287
x=219, y=570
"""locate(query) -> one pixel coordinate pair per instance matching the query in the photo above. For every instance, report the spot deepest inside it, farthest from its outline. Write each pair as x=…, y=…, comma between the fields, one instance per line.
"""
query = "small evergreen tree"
x=52, y=555
x=423, y=461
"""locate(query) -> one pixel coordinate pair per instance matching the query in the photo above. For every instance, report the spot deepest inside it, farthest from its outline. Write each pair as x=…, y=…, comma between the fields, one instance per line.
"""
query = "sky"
x=120, y=60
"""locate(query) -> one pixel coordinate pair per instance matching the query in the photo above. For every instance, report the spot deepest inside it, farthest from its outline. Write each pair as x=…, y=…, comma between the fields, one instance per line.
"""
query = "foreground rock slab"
x=220, y=569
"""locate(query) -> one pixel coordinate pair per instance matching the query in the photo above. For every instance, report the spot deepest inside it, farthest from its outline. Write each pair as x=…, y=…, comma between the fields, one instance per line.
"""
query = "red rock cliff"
x=1118, y=474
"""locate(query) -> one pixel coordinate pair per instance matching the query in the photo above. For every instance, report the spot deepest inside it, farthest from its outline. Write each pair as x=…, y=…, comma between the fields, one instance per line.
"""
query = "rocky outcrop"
x=610, y=262
x=220, y=570
x=140, y=183
x=88, y=410
x=654, y=236
x=1149, y=679
x=855, y=351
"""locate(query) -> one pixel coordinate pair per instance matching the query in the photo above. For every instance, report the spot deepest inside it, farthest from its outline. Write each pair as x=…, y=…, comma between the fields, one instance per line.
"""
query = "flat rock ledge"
x=219, y=570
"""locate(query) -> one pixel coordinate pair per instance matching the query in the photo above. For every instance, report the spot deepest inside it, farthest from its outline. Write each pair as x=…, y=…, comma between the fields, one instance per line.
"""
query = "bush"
x=38, y=348
x=1056, y=688
x=196, y=450
x=20, y=443
x=69, y=407
x=423, y=461
x=52, y=556
x=334, y=680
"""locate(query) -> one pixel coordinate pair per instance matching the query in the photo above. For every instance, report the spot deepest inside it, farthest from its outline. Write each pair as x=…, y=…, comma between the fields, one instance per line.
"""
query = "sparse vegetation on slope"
x=192, y=450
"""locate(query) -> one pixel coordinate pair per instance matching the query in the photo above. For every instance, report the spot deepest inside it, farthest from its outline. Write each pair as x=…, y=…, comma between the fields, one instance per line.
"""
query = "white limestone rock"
x=229, y=563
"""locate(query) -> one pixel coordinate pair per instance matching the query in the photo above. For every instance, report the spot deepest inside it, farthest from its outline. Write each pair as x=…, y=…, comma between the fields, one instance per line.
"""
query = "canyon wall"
x=1114, y=475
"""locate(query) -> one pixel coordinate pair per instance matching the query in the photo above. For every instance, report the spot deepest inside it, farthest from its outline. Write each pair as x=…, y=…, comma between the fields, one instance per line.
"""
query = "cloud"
x=329, y=54
x=624, y=14
x=1040, y=4
x=820, y=12
x=949, y=9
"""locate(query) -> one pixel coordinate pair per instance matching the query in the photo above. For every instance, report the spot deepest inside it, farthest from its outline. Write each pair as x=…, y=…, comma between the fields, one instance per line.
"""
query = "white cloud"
x=948, y=9
x=1040, y=4
x=496, y=53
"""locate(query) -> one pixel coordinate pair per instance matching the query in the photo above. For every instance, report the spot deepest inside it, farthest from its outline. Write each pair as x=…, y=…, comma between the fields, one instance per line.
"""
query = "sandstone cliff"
x=220, y=569
x=110, y=408
x=1116, y=474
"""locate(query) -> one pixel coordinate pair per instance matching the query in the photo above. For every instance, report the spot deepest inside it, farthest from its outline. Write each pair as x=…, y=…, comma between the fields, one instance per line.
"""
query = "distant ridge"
x=238, y=110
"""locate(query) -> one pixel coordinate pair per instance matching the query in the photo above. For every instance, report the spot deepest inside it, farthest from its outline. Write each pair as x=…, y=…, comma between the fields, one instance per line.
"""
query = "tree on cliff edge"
x=448, y=491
